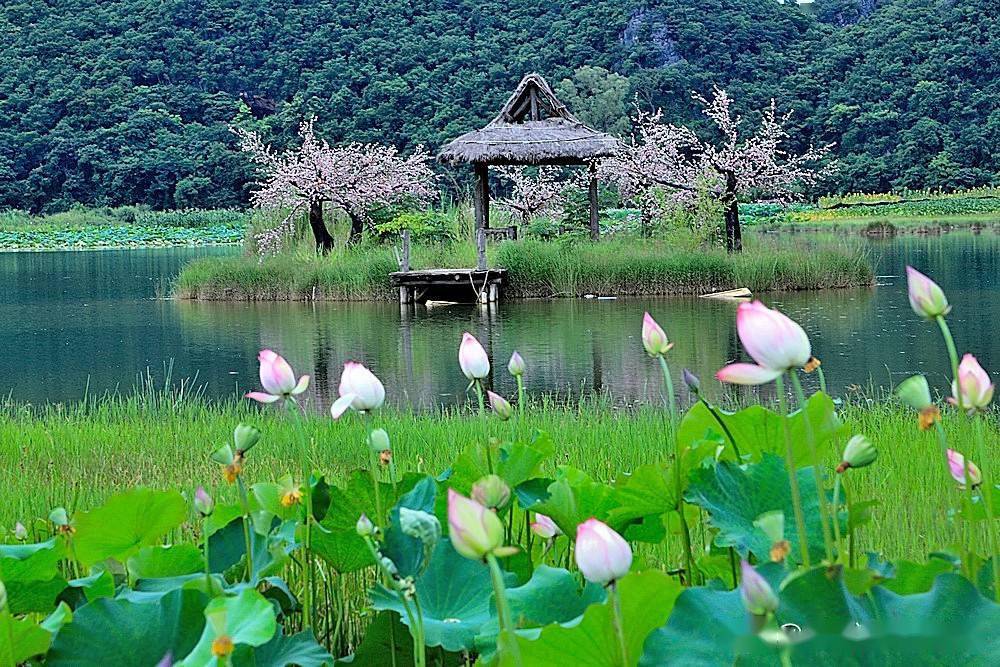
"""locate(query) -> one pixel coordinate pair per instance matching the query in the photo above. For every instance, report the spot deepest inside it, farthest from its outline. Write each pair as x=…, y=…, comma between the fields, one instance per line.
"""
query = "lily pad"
x=126, y=523
x=456, y=598
x=735, y=496
x=30, y=573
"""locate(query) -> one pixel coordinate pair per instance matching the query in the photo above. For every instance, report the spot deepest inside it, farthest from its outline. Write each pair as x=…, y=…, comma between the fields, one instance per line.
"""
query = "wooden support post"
x=494, y=293
x=405, y=263
x=595, y=226
x=481, y=200
x=481, y=249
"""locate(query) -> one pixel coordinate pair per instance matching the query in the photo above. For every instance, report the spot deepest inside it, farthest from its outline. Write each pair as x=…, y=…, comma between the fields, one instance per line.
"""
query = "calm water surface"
x=78, y=322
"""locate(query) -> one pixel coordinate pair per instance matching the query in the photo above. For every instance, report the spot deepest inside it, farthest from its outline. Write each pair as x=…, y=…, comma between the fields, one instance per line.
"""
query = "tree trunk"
x=357, y=228
x=324, y=242
x=734, y=236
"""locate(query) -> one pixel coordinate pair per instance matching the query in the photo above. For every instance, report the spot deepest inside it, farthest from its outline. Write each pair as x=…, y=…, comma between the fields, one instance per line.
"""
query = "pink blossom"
x=501, y=406
x=472, y=358
x=956, y=466
x=545, y=527
x=926, y=298
x=601, y=554
x=757, y=595
x=474, y=530
x=773, y=340
x=972, y=390
x=277, y=378
x=359, y=390
x=654, y=339
x=516, y=365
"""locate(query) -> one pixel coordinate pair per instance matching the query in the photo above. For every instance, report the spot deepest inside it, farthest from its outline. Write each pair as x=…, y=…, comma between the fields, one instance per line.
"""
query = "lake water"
x=79, y=322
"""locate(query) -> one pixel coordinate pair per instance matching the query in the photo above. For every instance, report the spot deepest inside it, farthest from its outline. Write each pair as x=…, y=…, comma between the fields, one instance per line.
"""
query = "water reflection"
x=69, y=321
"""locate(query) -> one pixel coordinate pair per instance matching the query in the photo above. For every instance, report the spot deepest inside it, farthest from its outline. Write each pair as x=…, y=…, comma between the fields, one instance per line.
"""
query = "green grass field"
x=77, y=455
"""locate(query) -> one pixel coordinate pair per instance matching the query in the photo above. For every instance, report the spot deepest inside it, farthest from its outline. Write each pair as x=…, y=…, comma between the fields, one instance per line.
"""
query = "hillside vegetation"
x=124, y=101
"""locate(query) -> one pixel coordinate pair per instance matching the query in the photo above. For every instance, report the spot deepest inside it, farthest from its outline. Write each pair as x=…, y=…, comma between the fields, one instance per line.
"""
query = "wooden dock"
x=456, y=285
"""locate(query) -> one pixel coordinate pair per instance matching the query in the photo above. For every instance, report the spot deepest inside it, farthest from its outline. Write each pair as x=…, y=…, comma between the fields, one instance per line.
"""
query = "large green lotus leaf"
x=909, y=577
x=388, y=642
x=227, y=547
x=574, y=497
x=80, y=591
x=30, y=573
x=20, y=639
x=166, y=561
x=124, y=633
x=552, y=595
x=405, y=551
x=647, y=491
x=646, y=601
x=758, y=430
x=455, y=595
x=247, y=618
x=735, y=496
x=299, y=649
x=951, y=624
x=126, y=523
x=516, y=462
x=336, y=540
x=704, y=629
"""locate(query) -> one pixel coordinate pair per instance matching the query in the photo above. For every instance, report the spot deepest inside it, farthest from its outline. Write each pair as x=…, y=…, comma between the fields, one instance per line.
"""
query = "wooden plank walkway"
x=457, y=285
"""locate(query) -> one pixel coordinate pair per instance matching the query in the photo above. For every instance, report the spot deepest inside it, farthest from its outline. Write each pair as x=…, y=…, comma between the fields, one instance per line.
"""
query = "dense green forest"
x=107, y=102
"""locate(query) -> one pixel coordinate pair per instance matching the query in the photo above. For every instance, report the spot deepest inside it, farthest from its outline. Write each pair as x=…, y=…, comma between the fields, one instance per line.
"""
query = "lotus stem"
x=824, y=507
x=616, y=610
x=668, y=384
x=507, y=640
x=793, y=480
x=308, y=606
x=245, y=503
x=986, y=493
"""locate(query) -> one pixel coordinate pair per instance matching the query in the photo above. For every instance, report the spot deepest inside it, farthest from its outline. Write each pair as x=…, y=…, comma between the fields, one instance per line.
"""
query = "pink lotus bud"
x=501, y=406
x=772, y=339
x=972, y=390
x=545, y=527
x=516, y=365
x=491, y=491
x=364, y=527
x=956, y=466
x=654, y=339
x=359, y=390
x=474, y=530
x=203, y=502
x=472, y=358
x=277, y=378
x=926, y=298
x=601, y=554
x=20, y=532
x=758, y=596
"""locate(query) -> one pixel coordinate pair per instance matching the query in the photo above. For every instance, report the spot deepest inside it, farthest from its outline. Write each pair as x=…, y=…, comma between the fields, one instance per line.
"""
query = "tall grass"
x=618, y=266
x=76, y=455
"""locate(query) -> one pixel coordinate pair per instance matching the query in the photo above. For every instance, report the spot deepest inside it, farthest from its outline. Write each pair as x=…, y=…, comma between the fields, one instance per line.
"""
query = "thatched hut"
x=532, y=128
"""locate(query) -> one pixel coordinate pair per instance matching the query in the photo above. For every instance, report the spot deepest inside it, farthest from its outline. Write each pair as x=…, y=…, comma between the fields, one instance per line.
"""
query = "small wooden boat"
x=739, y=294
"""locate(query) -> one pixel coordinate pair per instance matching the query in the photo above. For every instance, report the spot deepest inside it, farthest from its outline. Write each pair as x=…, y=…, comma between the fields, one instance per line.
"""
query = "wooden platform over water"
x=458, y=285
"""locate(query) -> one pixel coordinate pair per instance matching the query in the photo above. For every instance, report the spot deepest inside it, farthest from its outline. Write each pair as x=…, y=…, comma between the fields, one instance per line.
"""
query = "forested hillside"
x=129, y=101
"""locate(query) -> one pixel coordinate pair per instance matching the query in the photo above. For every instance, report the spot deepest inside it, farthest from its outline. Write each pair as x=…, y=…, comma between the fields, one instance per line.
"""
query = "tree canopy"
x=127, y=101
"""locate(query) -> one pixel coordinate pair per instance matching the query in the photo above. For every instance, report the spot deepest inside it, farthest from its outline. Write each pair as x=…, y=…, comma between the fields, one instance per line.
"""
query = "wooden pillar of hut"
x=595, y=227
x=481, y=202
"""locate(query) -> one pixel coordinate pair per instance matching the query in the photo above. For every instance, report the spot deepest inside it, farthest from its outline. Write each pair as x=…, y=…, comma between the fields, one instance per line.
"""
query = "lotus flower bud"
x=654, y=339
x=245, y=437
x=926, y=298
x=956, y=466
x=772, y=339
x=501, y=406
x=757, y=595
x=20, y=532
x=491, y=491
x=474, y=530
x=359, y=390
x=858, y=453
x=364, y=526
x=692, y=381
x=472, y=358
x=203, y=502
x=972, y=390
x=601, y=554
x=277, y=378
x=516, y=365
x=545, y=527
x=378, y=440
x=914, y=392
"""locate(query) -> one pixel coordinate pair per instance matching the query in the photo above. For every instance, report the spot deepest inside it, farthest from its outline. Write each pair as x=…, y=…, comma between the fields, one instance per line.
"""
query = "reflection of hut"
x=532, y=128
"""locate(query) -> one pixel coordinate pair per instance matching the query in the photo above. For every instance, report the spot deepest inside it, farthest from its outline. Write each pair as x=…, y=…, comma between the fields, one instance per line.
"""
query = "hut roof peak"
x=533, y=127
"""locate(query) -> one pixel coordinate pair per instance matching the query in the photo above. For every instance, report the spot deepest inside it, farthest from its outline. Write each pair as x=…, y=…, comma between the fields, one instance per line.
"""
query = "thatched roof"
x=533, y=127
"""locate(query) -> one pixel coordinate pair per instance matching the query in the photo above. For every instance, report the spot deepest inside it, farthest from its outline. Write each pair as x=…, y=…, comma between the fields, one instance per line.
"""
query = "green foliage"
x=102, y=114
x=126, y=523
